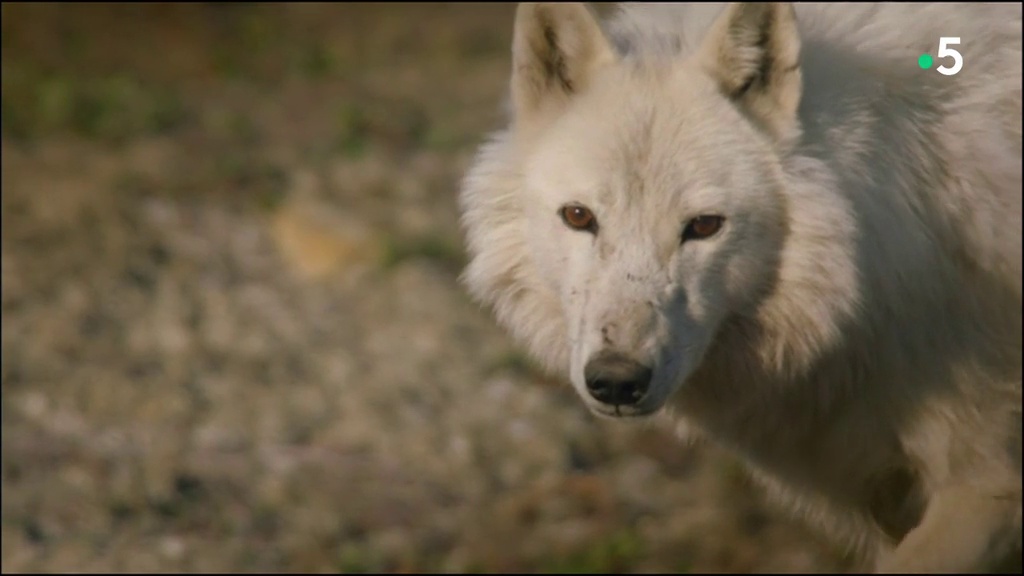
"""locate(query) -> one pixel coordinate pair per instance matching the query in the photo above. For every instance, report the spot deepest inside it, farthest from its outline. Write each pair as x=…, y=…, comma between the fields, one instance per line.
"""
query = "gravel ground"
x=233, y=335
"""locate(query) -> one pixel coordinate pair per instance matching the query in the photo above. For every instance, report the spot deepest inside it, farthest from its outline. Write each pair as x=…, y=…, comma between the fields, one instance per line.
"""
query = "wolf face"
x=649, y=196
x=652, y=224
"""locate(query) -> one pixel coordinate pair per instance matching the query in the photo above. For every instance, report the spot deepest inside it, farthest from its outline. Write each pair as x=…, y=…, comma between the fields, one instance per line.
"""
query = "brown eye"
x=578, y=217
x=702, y=227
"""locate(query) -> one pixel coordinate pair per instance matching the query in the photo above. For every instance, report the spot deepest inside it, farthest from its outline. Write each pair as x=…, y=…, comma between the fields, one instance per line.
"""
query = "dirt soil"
x=233, y=333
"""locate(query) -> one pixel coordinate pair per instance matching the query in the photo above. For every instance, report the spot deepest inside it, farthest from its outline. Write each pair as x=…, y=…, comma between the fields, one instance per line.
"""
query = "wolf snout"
x=616, y=379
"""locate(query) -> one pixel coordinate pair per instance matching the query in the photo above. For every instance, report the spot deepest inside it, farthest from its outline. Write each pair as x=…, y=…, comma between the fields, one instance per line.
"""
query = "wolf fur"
x=852, y=331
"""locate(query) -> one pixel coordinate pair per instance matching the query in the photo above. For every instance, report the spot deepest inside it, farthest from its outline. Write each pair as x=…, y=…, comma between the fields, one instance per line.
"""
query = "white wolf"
x=771, y=223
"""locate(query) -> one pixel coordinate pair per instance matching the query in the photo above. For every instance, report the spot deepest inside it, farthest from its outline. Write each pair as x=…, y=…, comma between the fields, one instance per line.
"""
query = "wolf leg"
x=964, y=529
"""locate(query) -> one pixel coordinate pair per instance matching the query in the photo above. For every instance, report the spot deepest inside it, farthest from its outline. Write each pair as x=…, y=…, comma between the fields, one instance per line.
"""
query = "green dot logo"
x=925, y=61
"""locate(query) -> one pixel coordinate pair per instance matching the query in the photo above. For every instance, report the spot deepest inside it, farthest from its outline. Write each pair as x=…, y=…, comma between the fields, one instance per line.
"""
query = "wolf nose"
x=615, y=379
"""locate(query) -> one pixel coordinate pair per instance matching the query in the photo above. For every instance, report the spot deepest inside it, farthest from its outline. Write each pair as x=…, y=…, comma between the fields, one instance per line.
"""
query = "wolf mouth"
x=625, y=412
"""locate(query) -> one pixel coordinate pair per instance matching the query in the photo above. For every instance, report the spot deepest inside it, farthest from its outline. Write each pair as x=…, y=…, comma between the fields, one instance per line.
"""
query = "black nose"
x=615, y=379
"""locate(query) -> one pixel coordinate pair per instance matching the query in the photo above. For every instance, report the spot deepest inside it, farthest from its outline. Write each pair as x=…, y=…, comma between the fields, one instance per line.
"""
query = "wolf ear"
x=753, y=52
x=556, y=49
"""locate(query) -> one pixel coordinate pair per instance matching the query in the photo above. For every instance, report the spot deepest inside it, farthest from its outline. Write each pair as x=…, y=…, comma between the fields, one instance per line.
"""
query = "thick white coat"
x=854, y=330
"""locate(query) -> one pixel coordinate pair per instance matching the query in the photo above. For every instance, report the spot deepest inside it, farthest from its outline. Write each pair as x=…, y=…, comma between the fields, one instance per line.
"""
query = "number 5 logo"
x=945, y=50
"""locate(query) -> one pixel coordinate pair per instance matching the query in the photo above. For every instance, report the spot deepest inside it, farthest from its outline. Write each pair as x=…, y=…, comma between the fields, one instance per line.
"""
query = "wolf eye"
x=578, y=217
x=702, y=227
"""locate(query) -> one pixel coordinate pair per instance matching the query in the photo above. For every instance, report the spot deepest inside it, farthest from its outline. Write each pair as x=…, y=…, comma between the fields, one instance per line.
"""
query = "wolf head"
x=633, y=206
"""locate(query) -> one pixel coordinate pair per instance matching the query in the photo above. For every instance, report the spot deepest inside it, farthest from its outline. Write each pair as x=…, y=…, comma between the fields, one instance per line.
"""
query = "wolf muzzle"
x=616, y=379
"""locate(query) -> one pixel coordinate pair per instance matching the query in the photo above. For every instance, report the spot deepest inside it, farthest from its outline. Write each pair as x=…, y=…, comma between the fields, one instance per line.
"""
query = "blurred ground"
x=233, y=337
